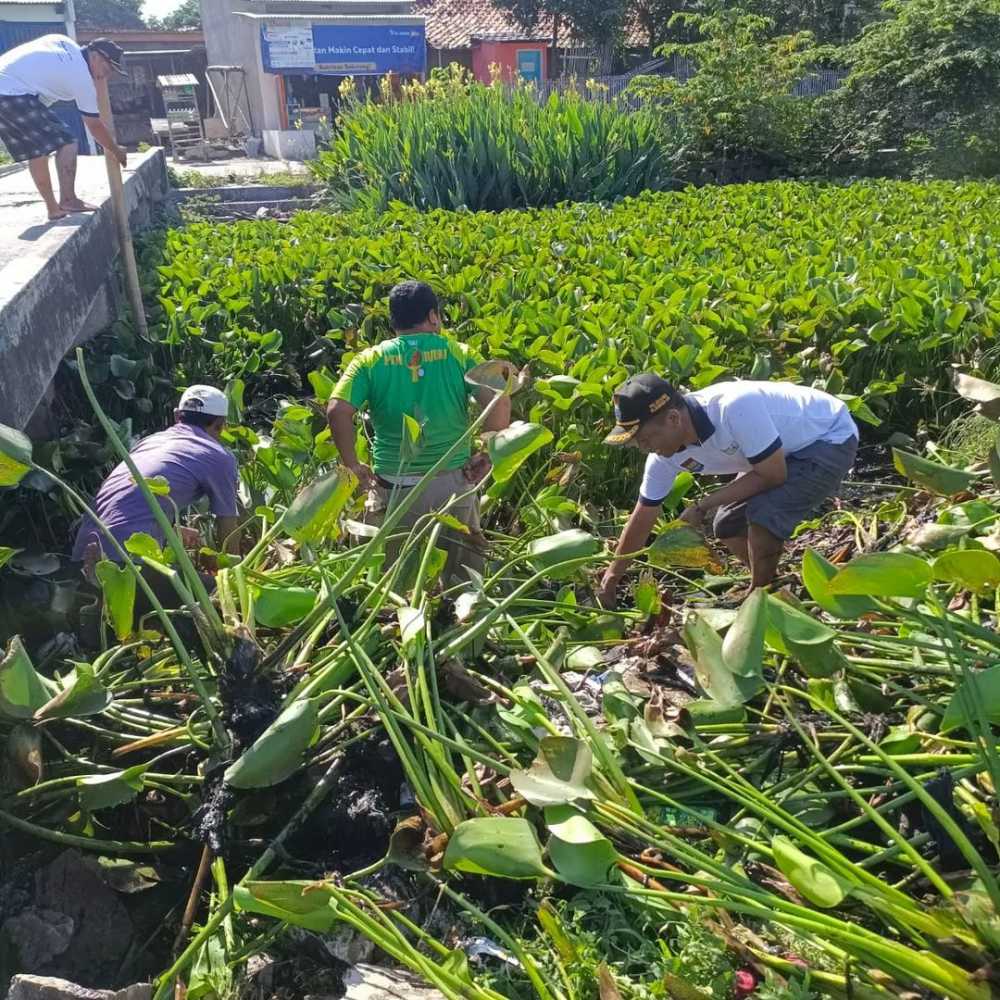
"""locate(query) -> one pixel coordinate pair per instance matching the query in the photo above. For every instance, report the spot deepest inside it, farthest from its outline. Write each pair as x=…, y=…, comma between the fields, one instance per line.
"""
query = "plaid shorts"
x=29, y=129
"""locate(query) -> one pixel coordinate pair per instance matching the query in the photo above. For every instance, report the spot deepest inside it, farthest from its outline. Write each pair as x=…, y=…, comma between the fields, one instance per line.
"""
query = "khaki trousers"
x=464, y=550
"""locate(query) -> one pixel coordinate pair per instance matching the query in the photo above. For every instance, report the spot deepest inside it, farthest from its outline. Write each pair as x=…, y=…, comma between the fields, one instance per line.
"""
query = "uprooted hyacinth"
x=811, y=770
x=653, y=800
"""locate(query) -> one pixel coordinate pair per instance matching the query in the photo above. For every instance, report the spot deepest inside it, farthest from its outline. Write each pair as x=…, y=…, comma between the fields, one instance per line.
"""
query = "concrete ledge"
x=290, y=144
x=242, y=201
x=262, y=192
x=238, y=210
x=58, y=283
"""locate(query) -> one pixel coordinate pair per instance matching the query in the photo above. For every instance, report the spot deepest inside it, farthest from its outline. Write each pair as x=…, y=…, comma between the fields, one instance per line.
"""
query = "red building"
x=514, y=58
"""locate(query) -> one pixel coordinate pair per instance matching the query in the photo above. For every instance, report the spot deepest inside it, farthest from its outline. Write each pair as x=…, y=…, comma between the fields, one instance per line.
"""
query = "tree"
x=830, y=21
x=737, y=117
x=598, y=22
x=603, y=23
x=187, y=15
x=109, y=14
x=923, y=92
x=653, y=19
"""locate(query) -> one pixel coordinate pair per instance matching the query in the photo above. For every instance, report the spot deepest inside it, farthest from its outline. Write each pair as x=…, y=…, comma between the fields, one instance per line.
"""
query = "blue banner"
x=339, y=50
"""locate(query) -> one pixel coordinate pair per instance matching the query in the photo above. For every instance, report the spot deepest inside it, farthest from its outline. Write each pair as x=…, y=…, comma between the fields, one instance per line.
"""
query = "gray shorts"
x=462, y=549
x=814, y=475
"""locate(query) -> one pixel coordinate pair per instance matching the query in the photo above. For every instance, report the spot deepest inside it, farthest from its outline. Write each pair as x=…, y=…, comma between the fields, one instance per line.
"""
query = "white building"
x=21, y=21
x=294, y=54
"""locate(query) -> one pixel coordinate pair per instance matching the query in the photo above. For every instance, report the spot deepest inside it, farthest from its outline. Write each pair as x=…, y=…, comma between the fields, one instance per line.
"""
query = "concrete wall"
x=35, y=12
x=290, y=144
x=65, y=288
x=231, y=40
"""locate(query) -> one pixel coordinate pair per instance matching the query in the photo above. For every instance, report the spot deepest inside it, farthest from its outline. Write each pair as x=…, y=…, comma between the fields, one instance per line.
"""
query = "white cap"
x=204, y=399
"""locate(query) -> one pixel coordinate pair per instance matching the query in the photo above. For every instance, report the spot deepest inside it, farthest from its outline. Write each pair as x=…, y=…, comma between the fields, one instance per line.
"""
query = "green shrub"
x=455, y=143
x=923, y=94
x=198, y=179
x=737, y=118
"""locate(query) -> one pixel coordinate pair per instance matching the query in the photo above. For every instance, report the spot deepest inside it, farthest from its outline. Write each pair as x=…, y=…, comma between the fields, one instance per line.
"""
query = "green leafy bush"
x=199, y=179
x=737, y=117
x=455, y=143
x=923, y=94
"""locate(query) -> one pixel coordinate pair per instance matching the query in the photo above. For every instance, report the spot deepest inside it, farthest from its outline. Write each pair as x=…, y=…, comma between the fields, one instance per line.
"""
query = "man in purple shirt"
x=192, y=459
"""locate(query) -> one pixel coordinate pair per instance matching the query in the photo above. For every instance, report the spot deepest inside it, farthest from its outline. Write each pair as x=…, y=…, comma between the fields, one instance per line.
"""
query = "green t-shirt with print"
x=421, y=375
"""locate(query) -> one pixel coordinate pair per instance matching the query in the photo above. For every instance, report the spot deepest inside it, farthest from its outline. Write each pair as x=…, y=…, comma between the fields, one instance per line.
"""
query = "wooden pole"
x=121, y=215
x=282, y=101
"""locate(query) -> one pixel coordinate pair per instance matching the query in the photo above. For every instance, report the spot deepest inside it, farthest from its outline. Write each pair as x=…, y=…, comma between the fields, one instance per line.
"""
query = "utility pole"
x=69, y=17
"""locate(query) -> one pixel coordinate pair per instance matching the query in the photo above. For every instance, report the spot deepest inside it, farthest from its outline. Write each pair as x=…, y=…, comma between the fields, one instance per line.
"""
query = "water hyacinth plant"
x=798, y=281
x=507, y=789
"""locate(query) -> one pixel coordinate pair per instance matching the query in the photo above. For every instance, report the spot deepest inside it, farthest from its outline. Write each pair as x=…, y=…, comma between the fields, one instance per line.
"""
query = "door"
x=529, y=64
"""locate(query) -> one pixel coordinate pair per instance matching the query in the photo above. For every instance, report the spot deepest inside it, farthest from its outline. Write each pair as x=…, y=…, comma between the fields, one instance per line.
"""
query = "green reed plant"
x=456, y=143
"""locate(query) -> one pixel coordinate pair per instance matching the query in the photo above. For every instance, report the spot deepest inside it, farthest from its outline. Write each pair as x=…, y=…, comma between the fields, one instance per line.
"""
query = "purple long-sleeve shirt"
x=192, y=462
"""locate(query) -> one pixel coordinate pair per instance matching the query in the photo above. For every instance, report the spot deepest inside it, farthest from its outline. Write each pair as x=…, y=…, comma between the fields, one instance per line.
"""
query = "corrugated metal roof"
x=32, y=3
x=351, y=8
x=141, y=53
x=349, y=3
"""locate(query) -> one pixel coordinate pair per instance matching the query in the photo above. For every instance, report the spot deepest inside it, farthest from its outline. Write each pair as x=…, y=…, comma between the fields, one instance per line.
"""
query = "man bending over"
x=788, y=446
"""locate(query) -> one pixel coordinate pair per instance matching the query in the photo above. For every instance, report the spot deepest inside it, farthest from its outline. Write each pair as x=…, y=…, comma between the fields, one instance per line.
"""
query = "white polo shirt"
x=53, y=68
x=741, y=423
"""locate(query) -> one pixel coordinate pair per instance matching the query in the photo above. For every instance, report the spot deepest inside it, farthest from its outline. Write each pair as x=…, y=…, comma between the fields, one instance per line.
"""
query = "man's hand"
x=607, y=592
x=105, y=138
x=366, y=478
x=694, y=515
x=477, y=468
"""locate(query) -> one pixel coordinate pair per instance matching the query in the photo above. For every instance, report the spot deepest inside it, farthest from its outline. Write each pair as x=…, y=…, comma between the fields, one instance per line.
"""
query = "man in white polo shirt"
x=36, y=75
x=788, y=446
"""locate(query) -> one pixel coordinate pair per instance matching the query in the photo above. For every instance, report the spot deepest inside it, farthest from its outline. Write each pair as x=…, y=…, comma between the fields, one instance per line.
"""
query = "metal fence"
x=615, y=88
x=822, y=81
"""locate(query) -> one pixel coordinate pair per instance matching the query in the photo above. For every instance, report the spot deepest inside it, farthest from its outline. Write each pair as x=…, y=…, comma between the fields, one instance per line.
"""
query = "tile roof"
x=452, y=24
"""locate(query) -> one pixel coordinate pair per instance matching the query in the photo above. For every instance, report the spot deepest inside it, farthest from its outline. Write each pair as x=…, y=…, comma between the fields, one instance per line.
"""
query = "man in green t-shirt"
x=420, y=374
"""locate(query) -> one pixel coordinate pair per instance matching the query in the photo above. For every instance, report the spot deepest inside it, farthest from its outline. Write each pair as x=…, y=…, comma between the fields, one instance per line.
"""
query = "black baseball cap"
x=111, y=51
x=636, y=400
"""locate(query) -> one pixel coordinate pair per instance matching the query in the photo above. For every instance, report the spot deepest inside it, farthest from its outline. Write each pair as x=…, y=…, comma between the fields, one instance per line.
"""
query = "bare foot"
x=75, y=205
x=57, y=213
